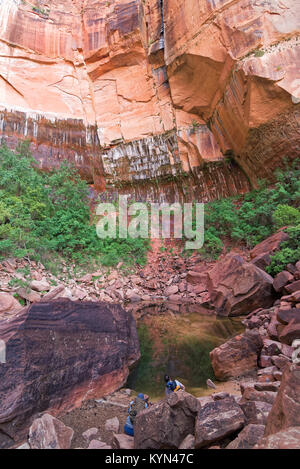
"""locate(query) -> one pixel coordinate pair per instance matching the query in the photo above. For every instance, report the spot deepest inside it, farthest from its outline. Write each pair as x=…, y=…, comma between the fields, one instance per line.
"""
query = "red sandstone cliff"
x=141, y=94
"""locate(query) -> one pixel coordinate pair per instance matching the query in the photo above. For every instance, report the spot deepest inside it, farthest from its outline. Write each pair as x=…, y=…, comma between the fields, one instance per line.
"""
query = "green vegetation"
x=250, y=219
x=47, y=217
x=289, y=251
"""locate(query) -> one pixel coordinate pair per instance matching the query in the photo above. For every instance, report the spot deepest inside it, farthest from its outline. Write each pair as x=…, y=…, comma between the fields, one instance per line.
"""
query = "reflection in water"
x=176, y=339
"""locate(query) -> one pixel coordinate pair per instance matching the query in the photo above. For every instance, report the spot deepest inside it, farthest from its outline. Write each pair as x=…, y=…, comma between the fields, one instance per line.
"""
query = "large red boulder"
x=58, y=354
x=238, y=356
x=238, y=287
x=290, y=332
x=285, y=412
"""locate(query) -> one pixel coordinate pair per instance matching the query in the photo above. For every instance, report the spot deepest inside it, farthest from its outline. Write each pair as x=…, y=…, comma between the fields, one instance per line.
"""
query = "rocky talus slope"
x=149, y=97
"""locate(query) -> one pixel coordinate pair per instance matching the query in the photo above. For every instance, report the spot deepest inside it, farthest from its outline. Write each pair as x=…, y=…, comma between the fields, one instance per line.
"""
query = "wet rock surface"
x=238, y=356
x=187, y=108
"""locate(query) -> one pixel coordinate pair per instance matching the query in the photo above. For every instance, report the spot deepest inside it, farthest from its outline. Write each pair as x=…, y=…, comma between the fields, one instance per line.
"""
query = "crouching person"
x=139, y=403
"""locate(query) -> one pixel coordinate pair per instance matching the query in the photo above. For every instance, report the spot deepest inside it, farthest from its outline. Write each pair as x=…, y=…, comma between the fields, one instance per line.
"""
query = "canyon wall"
x=164, y=100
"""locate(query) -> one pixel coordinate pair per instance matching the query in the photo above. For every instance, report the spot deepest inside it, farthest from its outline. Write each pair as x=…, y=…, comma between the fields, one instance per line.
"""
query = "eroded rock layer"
x=81, y=351
x=149, y=91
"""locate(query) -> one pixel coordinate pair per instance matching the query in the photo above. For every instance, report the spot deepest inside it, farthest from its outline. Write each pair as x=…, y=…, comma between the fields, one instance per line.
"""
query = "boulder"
x=86, y=278
x=188, y=443
x=171, y=290
x=249, y=436
x=237, y=287
x=285, y=439
x=8, y=266
x=55, y=293
x=48, y=432
x=251, y=394
x=277, y=375
x=285, y=316
x=295, y=297
x=24, y=446
x=272, y=328
x=8, y=305
x=262, y=261
x=79, y=294
x=217, y=420
x=256, y=412
x=40, y=285
x=285, y=412
x=218, y=396
x=293, y=287
x=90, y=433
x=237, y=356
x=265, y=361
x=274, y=386
x=269, y=245
x=122, y=441
x=133, y=295
x=281, y=280
x=166, y=424
x=28, y=294
x=210, y=384
x=97, y=444
x=280, y=361
x=273, y=347
x=290, y=332
x=76, y=350
x=196, y=278
x=112, y=425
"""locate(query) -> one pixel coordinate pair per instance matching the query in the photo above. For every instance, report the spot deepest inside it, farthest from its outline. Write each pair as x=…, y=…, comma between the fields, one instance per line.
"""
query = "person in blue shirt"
x=172, y=385
x=135, y=406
